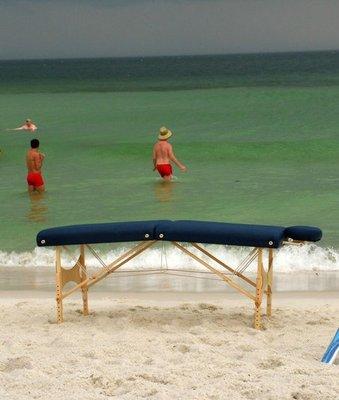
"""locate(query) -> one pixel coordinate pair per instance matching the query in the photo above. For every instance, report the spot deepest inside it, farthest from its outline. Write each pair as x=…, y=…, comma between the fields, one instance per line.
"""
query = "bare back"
x=162, y=152
x=34, y=161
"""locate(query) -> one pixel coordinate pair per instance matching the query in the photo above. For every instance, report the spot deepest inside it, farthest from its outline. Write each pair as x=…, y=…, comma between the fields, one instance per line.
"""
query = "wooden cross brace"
x=78, y=274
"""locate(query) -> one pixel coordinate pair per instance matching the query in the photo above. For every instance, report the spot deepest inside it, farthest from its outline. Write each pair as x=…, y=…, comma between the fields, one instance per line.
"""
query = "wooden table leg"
x=83, y=273
x=269, y=283
x=258, y=293
x=60, y=316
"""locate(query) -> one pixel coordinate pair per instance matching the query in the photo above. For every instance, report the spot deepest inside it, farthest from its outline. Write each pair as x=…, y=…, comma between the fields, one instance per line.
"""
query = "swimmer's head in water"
x=28, y=121
x=35, y=143
x=164, y=133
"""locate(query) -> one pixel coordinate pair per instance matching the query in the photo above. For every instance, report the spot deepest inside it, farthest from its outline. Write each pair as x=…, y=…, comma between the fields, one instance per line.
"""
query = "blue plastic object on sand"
x=332, y=350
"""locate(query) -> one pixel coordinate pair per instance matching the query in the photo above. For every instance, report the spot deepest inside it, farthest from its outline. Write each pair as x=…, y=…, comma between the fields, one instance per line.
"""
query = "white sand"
x=167, y=346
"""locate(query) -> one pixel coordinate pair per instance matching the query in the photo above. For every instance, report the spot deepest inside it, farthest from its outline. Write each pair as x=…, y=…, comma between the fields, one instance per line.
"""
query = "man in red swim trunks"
x=34, y=160
x=163, y=155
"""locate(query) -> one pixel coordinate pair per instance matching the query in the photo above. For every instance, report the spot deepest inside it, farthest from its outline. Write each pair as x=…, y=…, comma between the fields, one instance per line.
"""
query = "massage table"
x=190, y=237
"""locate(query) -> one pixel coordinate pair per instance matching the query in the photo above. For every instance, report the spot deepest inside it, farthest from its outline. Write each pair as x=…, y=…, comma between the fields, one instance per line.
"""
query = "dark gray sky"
x=94, y=28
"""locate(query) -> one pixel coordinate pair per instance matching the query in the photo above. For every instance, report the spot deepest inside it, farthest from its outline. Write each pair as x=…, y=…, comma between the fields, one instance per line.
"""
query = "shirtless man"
x=28, y=126
x=34, y=161
x=163, y=155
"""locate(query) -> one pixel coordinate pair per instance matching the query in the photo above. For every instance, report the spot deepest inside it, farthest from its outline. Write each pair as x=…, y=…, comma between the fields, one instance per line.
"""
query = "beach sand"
x=167, y=345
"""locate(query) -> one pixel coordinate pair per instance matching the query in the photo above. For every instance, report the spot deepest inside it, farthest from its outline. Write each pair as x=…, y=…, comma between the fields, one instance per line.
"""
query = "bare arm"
x=174, y=159
x=21, y=128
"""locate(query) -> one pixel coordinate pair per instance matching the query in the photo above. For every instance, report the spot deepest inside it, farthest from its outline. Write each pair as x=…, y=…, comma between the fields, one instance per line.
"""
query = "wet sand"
x=43, y=278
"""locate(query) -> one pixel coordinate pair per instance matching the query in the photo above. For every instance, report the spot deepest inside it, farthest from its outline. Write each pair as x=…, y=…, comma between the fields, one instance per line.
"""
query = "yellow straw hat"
x=164, y=133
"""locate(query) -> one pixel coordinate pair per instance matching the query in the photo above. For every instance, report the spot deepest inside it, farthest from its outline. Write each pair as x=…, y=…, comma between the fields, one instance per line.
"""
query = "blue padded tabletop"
x=182, y=231
x=97, y=233
x=221, y=233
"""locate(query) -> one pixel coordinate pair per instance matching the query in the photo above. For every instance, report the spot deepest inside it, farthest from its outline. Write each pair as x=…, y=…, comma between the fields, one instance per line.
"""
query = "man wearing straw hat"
x=163, y=155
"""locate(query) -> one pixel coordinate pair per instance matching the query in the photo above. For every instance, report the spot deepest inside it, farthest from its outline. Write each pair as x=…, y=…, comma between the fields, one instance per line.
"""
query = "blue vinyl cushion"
x=221, y=233
x=181, y=231
x=97, y=233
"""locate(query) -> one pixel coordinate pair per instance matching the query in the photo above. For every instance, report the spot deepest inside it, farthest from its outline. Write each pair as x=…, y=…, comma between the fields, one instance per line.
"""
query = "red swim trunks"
x=164, y=169
x=34, y=179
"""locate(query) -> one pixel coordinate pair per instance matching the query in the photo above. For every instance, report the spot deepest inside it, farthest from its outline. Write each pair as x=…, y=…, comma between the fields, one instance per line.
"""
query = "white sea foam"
x=309, y=257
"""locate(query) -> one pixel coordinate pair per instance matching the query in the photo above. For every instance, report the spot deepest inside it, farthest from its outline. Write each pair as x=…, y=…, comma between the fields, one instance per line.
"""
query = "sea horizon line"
x=136, y=57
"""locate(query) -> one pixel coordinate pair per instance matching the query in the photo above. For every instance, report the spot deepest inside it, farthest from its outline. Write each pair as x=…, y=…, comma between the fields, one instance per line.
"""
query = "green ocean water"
x=258, y=133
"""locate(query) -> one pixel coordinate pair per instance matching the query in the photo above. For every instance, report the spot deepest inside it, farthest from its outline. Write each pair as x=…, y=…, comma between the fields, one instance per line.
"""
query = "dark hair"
x=35, y=143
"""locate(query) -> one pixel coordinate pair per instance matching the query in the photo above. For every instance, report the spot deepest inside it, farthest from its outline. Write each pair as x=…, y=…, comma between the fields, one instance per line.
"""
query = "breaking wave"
x=309, y=257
